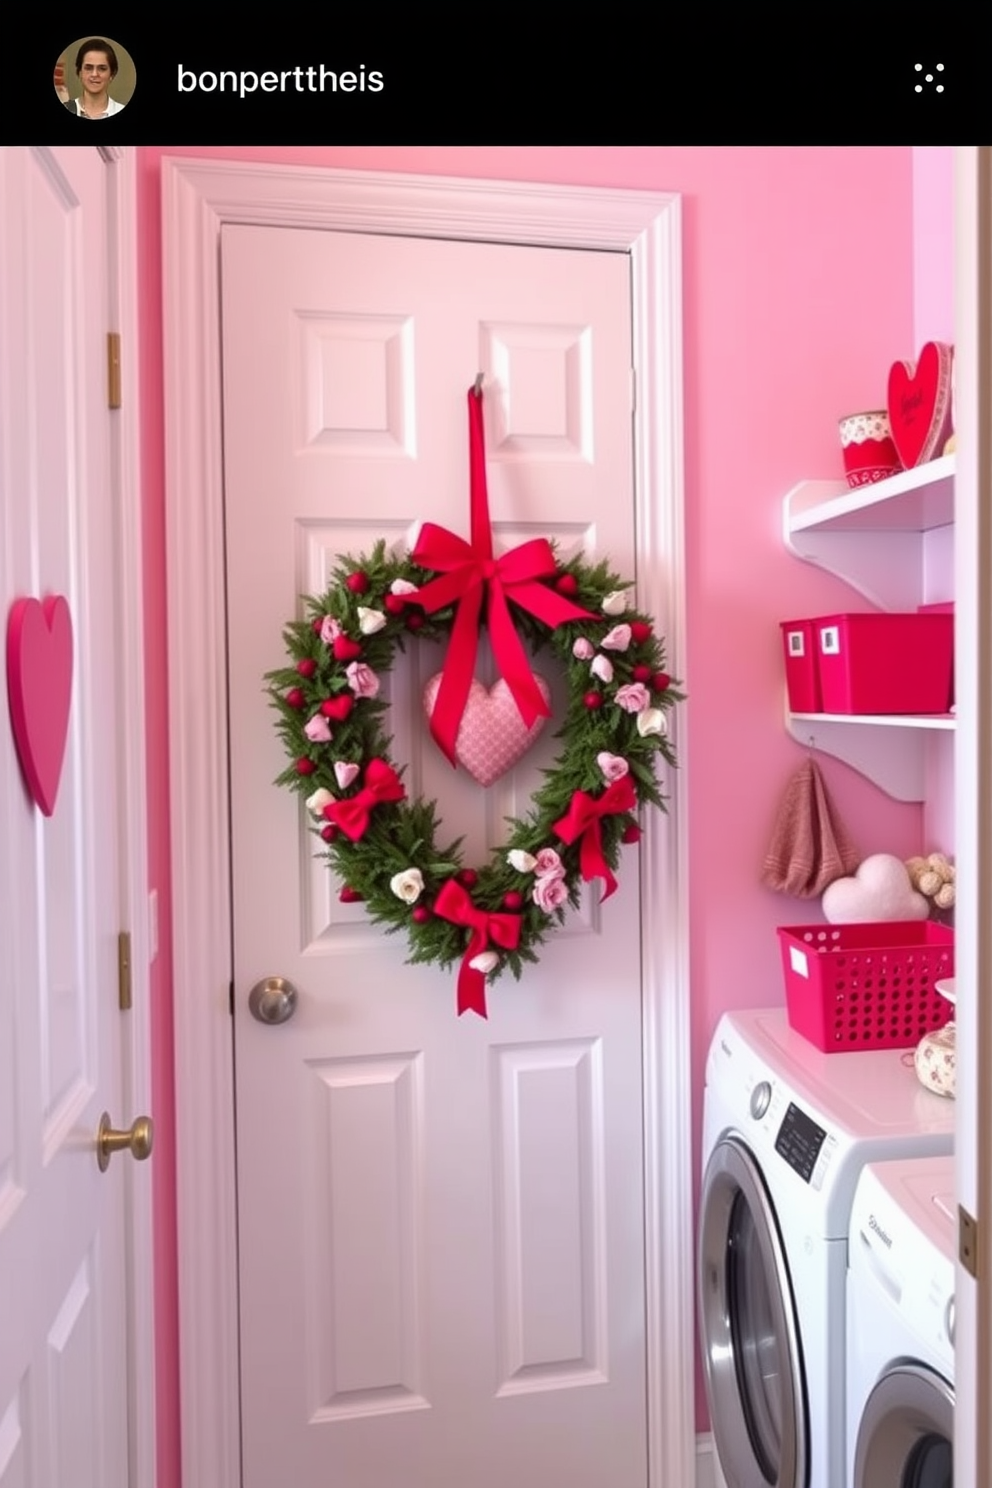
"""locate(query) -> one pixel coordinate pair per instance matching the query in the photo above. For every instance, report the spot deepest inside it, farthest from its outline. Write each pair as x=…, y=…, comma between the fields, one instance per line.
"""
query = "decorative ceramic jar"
x=869, y=451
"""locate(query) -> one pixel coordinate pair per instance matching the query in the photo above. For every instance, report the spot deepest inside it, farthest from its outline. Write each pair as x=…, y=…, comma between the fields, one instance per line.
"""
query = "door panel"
x=63, y=1362
x=441, y=1219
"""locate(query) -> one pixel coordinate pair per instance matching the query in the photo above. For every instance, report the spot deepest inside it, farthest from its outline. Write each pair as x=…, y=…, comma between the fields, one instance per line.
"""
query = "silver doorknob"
x=137, y=1139
x=272, y=1000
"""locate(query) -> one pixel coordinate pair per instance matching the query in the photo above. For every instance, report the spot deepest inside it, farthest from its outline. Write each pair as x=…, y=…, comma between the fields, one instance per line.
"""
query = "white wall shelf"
x=889, y=749
x=874, y=539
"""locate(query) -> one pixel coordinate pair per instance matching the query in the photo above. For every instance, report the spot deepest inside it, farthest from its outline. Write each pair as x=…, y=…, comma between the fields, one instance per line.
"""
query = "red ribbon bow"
x=583, y=820
x=381, y=784
x=455, y=904
x=469, y=571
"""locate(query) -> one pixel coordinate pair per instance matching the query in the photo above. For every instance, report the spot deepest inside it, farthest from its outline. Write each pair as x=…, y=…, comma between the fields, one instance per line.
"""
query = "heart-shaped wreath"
x=382, y=843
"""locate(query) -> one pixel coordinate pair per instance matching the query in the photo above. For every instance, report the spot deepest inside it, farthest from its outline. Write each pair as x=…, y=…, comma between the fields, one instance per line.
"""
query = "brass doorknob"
x=272, y=1000
x=137, y=1139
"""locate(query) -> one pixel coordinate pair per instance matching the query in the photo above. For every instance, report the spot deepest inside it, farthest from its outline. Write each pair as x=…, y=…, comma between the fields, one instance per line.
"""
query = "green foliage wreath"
x=330, y=718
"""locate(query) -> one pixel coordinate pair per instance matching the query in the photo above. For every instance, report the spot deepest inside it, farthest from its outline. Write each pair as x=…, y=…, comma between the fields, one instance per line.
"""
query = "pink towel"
x=810, y=846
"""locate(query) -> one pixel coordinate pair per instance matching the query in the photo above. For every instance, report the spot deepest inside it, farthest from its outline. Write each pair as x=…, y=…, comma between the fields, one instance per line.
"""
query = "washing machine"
x=786, y=1133
x=900, y=1325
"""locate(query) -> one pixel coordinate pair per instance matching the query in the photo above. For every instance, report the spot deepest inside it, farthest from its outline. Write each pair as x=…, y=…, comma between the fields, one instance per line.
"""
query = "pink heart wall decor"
x=39, y=691
x=919, y=404
x=491, y=736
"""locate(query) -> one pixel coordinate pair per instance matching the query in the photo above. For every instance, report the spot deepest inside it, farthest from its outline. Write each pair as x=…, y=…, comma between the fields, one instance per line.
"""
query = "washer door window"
x=906, y=1434
x=750, y=1339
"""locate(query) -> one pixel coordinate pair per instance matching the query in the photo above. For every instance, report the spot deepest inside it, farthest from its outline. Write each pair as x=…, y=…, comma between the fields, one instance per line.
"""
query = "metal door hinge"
x=113, y=369
x=124, y=971
x=967, y=1241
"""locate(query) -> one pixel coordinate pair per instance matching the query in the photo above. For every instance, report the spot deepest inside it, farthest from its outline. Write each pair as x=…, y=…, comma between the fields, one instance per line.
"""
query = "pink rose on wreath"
x=330, y=630
x=612, y=766
x=618, y=639
x=583, y=649
x=317, y=729
x=633, y=697
x=362, y=679
x=550, y=893
x=548, y=864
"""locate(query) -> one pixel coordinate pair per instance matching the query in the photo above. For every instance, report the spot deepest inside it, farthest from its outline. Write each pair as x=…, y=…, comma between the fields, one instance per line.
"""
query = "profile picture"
x=95, y=77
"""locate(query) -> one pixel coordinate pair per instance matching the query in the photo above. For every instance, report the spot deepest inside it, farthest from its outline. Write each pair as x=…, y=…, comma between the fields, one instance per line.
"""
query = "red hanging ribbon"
x=455, y=904
x=583, y=820
x=468, y=572
x=381, y=784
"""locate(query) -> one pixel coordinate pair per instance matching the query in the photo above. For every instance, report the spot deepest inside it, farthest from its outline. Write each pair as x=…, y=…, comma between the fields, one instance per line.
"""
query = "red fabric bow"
x=583, y=820
x=455, y=904
x=469, y=571
x=381, y=784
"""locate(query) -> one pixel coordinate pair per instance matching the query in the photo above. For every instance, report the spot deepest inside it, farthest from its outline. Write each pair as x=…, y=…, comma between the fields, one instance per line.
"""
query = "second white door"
x=440, y=1218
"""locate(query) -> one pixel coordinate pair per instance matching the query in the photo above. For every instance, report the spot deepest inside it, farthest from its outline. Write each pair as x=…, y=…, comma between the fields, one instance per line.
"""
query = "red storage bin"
x=945, y=607
x=868, y=986
x=802, y=676
x=885, y=663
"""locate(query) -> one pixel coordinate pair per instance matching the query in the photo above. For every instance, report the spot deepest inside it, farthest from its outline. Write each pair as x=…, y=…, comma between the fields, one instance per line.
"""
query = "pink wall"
x=799, y=293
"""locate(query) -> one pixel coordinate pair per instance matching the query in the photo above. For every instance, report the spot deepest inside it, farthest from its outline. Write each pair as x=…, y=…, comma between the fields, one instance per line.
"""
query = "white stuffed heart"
x=491, y=736
x=880, y=890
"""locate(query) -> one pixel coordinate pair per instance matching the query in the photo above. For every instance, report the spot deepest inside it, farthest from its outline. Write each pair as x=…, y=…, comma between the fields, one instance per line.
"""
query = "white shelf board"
x=915, y=500
x=886, y=720
x=889, y=749
x=872, y=537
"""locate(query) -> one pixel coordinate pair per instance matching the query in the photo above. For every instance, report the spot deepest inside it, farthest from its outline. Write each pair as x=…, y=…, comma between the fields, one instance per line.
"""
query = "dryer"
x=900, y=1325
x=786, y=1132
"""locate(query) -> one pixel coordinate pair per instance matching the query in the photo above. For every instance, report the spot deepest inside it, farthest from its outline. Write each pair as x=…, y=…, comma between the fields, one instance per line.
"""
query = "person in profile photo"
x=96, y=68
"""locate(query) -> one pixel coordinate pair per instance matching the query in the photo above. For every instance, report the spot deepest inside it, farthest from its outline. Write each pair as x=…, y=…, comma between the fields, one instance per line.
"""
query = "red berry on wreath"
x=358, y=582
x=593, y=699
x=631, y=833
x=305, y=767
x=415, y=621
x=640, y=631
x=348, y=895
x=660, y=681
x=306, y=667
x=513, y=900
x=295, y=698
x=567, y=584
x=328, y=833
x=420, y=914
x=641, y=673
x=317, y=625
x=468, y=878
x=395, y=604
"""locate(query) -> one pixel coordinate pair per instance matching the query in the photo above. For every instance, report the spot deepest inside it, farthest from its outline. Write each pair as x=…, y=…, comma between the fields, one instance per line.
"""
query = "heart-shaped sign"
x=39, y=689
x=919, y=404
x=492, y=736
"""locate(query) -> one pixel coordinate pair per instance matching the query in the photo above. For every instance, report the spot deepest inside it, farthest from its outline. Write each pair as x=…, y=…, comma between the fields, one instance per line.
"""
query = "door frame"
x=136, y=1040
x=199, y=197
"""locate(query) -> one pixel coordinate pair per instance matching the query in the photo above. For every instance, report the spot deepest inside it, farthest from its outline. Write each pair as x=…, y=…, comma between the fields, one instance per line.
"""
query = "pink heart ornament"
x=39, y=690
x=492, y=736
x=345, y=774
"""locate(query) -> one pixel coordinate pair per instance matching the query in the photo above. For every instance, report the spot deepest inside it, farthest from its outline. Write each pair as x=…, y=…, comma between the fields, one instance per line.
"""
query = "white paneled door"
x=441, y=1220
x=63, y=1343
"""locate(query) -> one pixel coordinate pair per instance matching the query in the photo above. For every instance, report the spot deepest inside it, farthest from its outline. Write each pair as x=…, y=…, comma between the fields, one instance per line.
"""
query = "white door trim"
x=199, y=197
x=136, y=1085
